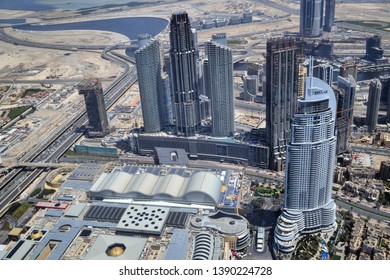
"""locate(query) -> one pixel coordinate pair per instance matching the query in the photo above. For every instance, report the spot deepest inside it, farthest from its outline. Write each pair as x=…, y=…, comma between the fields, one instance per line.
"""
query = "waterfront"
x=129, y=26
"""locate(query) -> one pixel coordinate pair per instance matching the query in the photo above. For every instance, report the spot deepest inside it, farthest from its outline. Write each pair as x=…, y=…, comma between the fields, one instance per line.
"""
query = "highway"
x=363, y=210
x=381, y=151
x=48, y=81
x=64, y=136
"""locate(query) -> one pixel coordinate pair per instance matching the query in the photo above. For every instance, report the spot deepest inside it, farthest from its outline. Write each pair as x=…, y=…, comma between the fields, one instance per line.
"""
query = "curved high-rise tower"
x=150, y=84
x=183, y=74
x=310, y=161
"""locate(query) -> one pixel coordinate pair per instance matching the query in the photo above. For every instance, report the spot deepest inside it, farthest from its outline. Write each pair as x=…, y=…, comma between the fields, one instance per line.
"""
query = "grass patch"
x=71, y=153
x=35, y=192
x=21, y=210
x=45, y=192
x=6, y=226
x=379, y=25
x=31, y=91
x=236, y=41
x=336, y=258
x=15, y=112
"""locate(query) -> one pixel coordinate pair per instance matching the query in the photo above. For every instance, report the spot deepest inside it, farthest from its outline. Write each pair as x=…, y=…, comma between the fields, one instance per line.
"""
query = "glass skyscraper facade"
x=330, y=10
x=149, y=70
x=183, y=75
x=308, y=206
x=220, y=71
x=281, y=94
x=374, y=96
x=312, y=18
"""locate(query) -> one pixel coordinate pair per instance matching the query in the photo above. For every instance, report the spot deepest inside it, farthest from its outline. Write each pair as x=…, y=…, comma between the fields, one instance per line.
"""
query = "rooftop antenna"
x=310, y=80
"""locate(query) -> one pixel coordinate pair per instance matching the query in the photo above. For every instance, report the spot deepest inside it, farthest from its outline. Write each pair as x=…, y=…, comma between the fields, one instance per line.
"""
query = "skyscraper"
x=330, y=9
x=220, y=38
x=346, y=89
x=308, y=206
x=149, y=71
x=220, y=70
x=385, y=93
x=324, y=71
x=251, y=84
x=349, y=68
x=281, y=95
x=311, y=18
x=183, y=73
x=373, y=104
x=374, y=51
x=95, y=106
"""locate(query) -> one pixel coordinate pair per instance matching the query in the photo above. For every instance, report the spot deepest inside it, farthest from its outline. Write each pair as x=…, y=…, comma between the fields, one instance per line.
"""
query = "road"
x=246, y=105
x=48, y=81
x=381, y=151
x=363, y=210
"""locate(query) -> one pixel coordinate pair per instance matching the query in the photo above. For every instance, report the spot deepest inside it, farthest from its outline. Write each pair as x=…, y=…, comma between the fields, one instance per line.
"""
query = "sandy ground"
x=363, y=11
x=53, y=63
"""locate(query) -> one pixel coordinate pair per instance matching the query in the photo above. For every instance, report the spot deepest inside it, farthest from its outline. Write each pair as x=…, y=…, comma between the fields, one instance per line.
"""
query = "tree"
x=258, y=203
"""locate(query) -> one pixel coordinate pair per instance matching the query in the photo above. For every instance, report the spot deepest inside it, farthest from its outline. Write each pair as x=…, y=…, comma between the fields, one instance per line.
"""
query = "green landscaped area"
x=31, y=91
x=21, y=210
x=379, y=25
x=237, y=41
x=15, y=112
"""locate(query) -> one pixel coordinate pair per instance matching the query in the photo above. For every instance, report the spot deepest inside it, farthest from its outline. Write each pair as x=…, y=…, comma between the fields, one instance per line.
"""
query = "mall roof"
x=223, y=222
x=143, y=219
x=200, y=187
x=178, y=246
x=111, y=247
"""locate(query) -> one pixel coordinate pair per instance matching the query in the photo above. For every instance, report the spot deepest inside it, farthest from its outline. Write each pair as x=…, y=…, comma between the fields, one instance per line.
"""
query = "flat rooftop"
x=143, y=219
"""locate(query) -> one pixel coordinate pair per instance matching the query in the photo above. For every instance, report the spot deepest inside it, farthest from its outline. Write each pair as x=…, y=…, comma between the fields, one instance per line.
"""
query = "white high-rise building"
x=308, y=206
x=220, y=84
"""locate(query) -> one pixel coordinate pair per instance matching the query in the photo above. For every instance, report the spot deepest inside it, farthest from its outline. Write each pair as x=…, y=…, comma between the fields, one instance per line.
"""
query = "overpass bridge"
x=37, y=165
x=374, y=68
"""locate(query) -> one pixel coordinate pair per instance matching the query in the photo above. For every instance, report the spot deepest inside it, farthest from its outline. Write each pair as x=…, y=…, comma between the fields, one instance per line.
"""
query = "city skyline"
x=221, y=131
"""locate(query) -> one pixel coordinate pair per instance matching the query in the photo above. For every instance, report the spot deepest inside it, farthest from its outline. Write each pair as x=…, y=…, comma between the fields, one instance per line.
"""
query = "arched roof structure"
x=200, y=187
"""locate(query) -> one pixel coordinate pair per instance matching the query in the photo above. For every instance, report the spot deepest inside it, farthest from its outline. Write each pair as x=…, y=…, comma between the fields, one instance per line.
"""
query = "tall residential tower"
x=149, y=71
x=281, y=94
x=374, y=96
x=308, y=206
x=311, y=18
x=220, y=71
x=183, y=74
x=330, y=9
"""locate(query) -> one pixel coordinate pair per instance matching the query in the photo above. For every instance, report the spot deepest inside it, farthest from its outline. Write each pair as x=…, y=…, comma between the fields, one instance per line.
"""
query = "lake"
x=129, y=26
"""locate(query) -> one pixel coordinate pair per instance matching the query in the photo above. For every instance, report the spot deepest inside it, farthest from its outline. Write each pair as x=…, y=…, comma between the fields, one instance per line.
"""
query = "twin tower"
x=175, y=99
